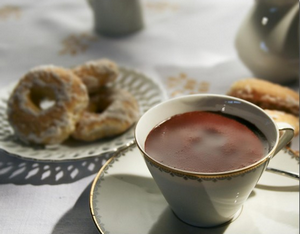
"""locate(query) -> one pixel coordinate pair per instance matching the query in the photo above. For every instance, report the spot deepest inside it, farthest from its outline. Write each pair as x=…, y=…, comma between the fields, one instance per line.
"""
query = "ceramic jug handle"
x=286, y=135
x=90, y=2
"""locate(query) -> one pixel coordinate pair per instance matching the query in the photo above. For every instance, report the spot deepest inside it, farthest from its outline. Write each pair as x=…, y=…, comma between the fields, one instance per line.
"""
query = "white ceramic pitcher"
x=268, y=40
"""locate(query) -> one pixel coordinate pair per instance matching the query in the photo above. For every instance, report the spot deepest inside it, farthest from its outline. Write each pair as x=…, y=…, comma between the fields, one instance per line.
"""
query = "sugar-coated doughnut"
x=280, y=116
x=267, y=95
x=110, y=112
x=46, y=104
x=97, y=73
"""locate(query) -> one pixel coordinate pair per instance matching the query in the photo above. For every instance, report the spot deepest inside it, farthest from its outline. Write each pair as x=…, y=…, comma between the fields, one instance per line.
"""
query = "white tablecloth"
x=37, y=197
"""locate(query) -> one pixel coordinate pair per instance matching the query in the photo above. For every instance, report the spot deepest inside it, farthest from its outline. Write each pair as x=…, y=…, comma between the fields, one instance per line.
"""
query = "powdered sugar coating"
x=52, y=125
x=267, y=95
x=97, y=73
x=116, y=118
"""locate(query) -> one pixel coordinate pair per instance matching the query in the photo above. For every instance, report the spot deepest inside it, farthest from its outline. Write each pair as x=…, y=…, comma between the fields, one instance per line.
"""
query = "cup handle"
x=286, y=135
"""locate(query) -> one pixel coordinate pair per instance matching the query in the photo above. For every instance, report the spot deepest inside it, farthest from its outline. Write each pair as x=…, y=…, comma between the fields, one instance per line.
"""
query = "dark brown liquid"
x=202, y=141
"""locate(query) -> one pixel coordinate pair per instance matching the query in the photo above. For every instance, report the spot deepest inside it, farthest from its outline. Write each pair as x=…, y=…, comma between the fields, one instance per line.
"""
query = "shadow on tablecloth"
x=78, y=219
x=14, y=170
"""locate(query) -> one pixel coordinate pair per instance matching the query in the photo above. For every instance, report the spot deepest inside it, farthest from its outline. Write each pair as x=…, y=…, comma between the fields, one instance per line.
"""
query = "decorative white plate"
x=124, y=199
x=146, y=92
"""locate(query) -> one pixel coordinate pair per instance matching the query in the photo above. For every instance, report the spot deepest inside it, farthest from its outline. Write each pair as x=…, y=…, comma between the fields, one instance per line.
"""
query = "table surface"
x=41, y=197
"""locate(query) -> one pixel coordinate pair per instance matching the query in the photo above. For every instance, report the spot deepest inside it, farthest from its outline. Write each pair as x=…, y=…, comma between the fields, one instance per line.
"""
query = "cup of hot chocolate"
x=207, y=152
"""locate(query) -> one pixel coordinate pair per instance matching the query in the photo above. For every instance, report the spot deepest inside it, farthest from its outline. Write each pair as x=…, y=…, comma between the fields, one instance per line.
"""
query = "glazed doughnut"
x=35, y=122
x=280, y=116
x=110, y=112
x=96, y=74
x=267, y=95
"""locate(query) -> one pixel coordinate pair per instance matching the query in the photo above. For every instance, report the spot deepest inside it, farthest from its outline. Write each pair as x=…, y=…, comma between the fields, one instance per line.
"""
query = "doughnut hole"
x=99, y=102
x=42, y=98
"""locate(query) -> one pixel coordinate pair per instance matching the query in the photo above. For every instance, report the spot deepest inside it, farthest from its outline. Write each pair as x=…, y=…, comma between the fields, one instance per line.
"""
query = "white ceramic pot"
x=117, y=18
x=267, y=41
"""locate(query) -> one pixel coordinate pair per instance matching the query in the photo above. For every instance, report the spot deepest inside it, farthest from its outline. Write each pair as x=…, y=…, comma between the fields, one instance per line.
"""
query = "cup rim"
x=207, y=174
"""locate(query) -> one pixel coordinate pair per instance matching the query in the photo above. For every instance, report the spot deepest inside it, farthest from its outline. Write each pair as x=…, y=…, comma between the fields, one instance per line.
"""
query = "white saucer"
x=144, y=89
x=125, y=200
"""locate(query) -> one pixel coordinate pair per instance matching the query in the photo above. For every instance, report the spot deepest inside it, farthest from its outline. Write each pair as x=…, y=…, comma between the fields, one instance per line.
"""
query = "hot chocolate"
x=206, y=142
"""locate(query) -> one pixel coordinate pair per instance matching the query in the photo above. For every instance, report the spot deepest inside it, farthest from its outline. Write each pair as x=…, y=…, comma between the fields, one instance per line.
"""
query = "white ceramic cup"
x=116, y=18
x=209, y=199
